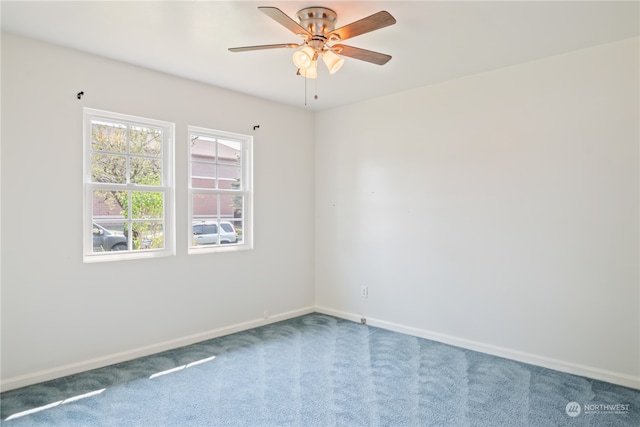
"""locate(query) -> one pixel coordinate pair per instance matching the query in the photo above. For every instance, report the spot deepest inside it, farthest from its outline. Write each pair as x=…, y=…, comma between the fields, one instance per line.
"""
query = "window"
x=219, y=191
x=128, y=187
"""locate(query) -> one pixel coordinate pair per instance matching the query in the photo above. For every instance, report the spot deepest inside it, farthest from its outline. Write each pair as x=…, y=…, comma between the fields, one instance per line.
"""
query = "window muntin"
x=128, y=187
x=219, y=190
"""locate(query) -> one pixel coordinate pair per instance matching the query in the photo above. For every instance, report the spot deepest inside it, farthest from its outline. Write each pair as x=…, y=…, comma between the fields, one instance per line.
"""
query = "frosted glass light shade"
x=332, y=61
x=303, y=57
x=311, y=72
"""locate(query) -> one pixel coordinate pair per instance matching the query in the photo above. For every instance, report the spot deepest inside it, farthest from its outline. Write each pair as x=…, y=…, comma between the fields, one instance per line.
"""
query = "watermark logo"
x=573, y=409
x=599, y=408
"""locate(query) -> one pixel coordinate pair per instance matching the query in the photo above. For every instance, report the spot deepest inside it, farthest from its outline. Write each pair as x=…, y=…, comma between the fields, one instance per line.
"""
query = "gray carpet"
x=317, y=370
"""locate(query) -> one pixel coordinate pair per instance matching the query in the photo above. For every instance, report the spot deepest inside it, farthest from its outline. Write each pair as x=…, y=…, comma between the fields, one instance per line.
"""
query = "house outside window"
x=220, y=195
x=128, y=187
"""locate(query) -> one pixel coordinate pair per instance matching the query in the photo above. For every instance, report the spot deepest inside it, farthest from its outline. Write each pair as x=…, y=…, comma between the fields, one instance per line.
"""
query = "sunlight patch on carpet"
x=181, y=367
x=54, y=404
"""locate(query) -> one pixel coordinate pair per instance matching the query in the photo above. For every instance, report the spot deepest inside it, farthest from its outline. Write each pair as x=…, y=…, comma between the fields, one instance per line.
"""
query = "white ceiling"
x=431, y=42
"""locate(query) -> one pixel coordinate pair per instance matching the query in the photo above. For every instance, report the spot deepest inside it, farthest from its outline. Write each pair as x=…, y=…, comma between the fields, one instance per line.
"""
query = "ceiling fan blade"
x=361, y=54
x=370, y=23
x=284, y=20
x=263, y=46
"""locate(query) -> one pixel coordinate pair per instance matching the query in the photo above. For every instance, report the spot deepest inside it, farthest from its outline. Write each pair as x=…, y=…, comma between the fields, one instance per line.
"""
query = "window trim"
x=247, y=191
x=167, y=187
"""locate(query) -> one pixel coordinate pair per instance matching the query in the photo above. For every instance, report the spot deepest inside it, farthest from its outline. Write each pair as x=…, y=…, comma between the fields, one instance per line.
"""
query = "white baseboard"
x=99, y=362
x=532, y=359
x=546, y=362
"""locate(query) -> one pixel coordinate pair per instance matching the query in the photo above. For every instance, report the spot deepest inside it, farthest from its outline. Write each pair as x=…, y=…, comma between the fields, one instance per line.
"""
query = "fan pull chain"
x=315, y=96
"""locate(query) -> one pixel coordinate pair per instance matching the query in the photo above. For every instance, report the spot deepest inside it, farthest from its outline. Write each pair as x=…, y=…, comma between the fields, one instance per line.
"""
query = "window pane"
x=147, y=205
x=145, y=171
x=228, y=205
x=229, y=177
x=239, y=226
x=148, y=235
x=108, y=237
x=203, y=175
x=229, y=152
x=107, y=207
x=238, y=218
x=203, y=147
x=109, y=168
x=205, y=207
x=205, y=233
x=145, y=141
x=108, y=137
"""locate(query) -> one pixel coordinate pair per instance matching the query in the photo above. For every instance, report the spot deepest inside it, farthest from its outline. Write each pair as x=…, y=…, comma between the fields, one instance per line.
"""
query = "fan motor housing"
x=317, y=20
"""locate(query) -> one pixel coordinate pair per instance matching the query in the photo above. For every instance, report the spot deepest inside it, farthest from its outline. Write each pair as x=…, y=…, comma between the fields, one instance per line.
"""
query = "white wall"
x=497, y=212
x=60, y=315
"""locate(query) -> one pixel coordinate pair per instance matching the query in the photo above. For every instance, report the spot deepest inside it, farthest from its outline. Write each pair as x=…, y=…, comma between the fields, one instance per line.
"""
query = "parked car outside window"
x=106, y=240
x=208, y=233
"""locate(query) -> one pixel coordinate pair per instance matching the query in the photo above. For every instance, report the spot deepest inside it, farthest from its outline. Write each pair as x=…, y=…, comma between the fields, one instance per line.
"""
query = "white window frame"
x=167, y=187
x=246, y=191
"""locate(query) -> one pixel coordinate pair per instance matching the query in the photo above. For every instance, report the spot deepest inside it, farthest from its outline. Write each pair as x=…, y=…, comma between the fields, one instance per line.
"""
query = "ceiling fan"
x=320, y=38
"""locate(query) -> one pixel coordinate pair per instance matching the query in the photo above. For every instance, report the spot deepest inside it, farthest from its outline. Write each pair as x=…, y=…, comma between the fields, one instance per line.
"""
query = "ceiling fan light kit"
x=304, y=57
x=332, y=61
x=311, y=72
x=317, y=27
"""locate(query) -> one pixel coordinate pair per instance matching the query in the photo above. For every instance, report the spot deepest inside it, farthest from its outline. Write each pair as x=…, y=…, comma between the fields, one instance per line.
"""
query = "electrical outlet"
x=364, y=291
